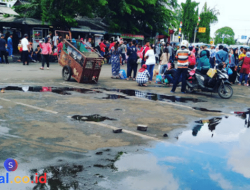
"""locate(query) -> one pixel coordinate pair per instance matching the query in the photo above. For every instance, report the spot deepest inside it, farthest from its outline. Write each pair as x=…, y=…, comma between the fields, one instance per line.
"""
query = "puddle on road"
x=57, y=90
x=205, y=110
x=114, y=97
x=95, y=118
x=56, y=177
x=214, y=154
x=153, y=96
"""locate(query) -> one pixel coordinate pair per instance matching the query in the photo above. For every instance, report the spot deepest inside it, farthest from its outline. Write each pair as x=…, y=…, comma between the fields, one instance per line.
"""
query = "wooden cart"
x=80, y=62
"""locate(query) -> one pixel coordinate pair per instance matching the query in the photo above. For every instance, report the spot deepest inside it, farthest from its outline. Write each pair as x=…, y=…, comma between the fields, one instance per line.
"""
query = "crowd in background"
x=119, y=52
x=164, y=55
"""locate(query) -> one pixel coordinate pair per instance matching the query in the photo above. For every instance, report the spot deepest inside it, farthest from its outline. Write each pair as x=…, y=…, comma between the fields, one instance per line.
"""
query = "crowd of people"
x=48, y=48
x=237, y=63
x=154, y=59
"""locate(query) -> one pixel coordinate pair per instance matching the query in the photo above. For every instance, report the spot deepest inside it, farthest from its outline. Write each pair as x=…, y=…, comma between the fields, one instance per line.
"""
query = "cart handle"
x=92, y=49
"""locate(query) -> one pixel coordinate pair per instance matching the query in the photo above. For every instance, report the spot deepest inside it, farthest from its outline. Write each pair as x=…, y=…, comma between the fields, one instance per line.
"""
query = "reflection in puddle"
x=58, y=177
x=114, y=97
x=57, y=90
x=214, y=154
x=153, y=96
x=205, y=110
x=95, y=118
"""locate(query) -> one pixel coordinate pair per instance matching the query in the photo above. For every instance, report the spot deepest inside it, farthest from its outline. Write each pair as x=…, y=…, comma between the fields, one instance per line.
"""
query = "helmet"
x=184, y=43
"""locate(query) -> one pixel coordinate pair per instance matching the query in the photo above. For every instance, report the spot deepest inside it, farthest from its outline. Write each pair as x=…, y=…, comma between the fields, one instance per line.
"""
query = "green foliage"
x=208, y=16
x=138, y=16
x=31, y=10
x=6, y=15
x=125, y=16
x=228, y=34
x=189, y=19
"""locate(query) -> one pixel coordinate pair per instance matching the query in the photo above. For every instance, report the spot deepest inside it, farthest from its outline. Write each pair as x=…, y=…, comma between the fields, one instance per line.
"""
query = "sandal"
x=134, y=79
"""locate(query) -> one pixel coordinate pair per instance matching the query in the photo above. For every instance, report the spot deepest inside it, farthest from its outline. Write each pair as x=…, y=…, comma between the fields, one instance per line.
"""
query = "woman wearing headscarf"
x=143, y=76
x=164, y=60
x=46, y=51
x=115, y=60
x=245, y=69
x=204, y=64
x=234, y=59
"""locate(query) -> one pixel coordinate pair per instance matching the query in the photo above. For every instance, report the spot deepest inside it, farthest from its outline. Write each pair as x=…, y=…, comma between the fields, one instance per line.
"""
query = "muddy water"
x=95, y=118
x=153, y=96
x=57, y=90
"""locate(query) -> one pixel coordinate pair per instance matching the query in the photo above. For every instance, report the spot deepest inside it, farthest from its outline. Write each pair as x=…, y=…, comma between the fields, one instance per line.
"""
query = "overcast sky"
x=234, y=14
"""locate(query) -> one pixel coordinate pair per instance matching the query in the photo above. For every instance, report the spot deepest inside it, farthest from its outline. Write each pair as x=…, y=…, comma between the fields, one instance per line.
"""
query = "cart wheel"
x=66, y=73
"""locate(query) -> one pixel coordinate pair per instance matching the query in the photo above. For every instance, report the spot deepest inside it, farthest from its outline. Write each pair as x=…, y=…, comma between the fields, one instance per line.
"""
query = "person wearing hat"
x=26, y=49
x=182, y=64
x=212, y=56
x=3, y=46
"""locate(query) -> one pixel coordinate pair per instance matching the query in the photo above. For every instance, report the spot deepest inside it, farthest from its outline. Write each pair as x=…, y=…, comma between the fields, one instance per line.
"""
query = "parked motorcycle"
x=218, y=84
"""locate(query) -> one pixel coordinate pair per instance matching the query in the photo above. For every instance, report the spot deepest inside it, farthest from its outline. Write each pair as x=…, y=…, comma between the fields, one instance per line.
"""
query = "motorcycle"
x=218, y=84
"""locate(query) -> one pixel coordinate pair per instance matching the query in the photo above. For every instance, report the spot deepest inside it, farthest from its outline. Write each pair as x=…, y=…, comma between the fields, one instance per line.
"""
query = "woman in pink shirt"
x=46, y=51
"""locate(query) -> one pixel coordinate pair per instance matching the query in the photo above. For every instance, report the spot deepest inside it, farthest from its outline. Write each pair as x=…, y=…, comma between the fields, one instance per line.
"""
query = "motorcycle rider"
x=182, y=64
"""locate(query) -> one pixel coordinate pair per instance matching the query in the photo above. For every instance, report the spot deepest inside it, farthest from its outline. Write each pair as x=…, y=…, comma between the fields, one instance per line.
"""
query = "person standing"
x=221, y=56
x=197, y=55
x=115, y=61
x=124, y=50
x=144, y=51
x=164, y=60
x=170, y=50
x=182, y=64
x=212, y=56
x=245, y=68
x=25, y=48
x=46, y=51
x=150, y=61
x=157, y=51
x=191, y=58
x=102, y=47
x=233, y=65
x=132, y=60
x=55, y=41
x=3, y=46
x=10, y=45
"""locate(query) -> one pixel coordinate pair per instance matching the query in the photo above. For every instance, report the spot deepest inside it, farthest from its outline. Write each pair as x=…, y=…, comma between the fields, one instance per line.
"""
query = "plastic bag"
x=211, y=73
x=166, y=81
x=159, y=79
x=155, y=72
x=229, y=71
x=122, y=74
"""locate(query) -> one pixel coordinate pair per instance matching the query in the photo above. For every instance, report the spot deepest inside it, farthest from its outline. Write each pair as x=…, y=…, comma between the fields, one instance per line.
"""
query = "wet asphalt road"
x=37, y=129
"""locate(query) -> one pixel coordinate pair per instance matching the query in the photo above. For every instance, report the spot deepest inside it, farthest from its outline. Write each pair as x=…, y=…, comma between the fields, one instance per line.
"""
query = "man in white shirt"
x=55, y=41
x=26, y=49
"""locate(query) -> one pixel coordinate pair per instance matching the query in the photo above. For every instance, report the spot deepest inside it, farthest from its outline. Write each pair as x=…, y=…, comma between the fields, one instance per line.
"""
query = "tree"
x=189, y=18
x=139, y=16
x=59, y=12
x=228, y=34
x=207, y=16
x=132, y=16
